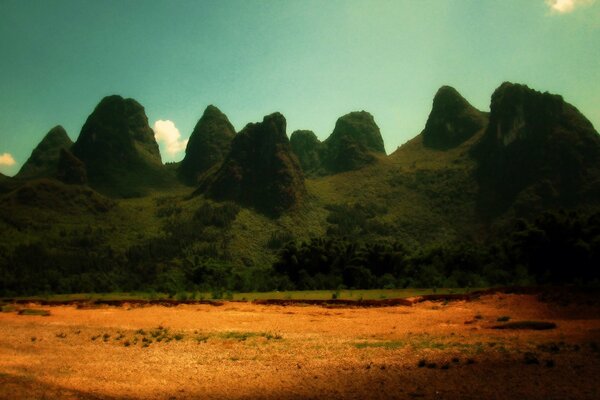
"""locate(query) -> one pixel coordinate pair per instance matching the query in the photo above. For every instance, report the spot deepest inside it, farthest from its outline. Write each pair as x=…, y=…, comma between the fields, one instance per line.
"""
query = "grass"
x=243, y=336
x=373, y=294
x=389, y=345
x=34, y=311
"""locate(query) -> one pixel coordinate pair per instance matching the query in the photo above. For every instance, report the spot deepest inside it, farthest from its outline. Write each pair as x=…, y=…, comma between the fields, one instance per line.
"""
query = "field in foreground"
x=432, y=350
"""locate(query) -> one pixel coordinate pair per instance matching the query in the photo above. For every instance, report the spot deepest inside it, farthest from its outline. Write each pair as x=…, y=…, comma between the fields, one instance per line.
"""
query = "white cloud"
x=7, y=160
x=166, y=132
x=566, y=6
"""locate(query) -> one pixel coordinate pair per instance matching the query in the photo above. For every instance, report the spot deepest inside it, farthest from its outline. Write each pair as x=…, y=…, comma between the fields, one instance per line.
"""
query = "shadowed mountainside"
x=260, y=170
x=308, y=148
x=538, y=152
x=70, y=169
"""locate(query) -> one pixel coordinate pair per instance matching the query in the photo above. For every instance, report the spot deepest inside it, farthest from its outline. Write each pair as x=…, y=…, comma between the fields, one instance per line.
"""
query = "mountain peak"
x=351, y=144
x=44, y=158
x=307, y=148
x=209, y=143
x=260, y=170
x=118, y=147
x=452, y=120
x=535, y=137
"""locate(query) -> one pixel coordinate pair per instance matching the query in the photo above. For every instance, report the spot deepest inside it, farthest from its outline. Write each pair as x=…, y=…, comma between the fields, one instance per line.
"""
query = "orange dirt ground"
x=247, y=351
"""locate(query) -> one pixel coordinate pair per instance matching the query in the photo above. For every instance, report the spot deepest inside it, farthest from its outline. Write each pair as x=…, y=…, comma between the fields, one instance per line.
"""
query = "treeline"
x=193, y=255
x=555, y=248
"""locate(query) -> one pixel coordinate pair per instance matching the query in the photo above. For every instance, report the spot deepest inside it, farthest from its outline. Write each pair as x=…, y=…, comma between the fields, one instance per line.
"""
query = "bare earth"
x=243, y=350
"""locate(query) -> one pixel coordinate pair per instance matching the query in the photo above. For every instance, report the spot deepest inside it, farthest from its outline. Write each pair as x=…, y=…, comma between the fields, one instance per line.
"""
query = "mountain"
x=475, y=199
x=260, y=170
x=44, y=158
x=538, y=152
x=308, y=149
x=119, y=149
x=452, y=120
x=70, y=169
x=209, y=143
x=352, y=143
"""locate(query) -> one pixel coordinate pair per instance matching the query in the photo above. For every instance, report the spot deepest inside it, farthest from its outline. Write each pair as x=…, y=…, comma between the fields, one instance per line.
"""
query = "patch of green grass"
x=389, y=345
x=9, y=308
x=370, y=294
x=34, y=311
x=242, y=336
x=201, y=338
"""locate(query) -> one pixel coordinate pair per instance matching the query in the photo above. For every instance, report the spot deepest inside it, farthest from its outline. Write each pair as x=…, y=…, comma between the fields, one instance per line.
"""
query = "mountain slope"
x=43, y=161
x=208, y=145
x=308, y=148
x=260, y=170
x=352, y=143
x=537, y=152
x=452, y=120
x=119, y=150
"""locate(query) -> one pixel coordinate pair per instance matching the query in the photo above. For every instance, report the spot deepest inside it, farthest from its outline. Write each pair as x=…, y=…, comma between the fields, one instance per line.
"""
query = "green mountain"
x=308, y=148
x=538, y=152
x=452, y=120
x=208, y=145
x=260, y=170
x=509, y=197
x=118, y=148
x=354, y=143
x=44, y=159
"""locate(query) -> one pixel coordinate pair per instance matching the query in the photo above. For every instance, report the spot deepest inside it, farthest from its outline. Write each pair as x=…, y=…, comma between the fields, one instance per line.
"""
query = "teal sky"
x=311, y=60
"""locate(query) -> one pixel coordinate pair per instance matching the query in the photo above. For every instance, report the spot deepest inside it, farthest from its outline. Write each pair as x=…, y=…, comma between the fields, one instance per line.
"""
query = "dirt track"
x=243, y=350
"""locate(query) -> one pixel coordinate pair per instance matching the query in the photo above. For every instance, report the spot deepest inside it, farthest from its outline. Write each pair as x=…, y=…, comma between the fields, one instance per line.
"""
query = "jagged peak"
x=452, y=120
x=208, y=145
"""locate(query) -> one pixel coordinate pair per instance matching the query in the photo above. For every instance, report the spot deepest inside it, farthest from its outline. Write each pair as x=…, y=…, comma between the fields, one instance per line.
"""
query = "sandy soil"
x=247, y=351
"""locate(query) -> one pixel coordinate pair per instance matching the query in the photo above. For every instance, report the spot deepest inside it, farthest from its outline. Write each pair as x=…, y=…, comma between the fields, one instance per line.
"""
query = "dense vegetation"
x=553, y=248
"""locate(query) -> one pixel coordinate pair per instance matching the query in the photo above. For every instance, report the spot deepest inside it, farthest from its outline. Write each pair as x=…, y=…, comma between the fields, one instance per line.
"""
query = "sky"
x=313, y=61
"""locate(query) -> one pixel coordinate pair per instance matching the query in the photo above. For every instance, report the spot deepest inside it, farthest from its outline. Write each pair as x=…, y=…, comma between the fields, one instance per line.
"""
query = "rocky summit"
x=352, y=143
x=308, y=148
x=209, y=143
x=537, y=151
x=118, y=147
x=260, y=170
x=452, y=120
x=44, y=159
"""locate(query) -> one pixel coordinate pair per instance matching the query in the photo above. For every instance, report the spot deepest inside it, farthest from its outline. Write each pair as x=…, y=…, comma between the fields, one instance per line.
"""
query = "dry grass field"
x=239, y=350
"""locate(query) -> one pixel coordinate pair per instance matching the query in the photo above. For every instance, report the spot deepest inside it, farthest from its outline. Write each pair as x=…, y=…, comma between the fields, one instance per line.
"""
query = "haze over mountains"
x=237, y=199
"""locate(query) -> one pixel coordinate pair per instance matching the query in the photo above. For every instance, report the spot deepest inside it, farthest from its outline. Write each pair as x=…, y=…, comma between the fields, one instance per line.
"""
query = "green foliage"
x=34, y=311
x=279, y=238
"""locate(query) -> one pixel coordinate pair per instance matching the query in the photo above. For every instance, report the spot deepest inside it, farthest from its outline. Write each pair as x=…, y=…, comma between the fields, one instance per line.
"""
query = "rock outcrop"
x=537, y=152
x=260, y=170
x=118, y=148
x=452, y=120
x=352, y=144
x=208, y=145
x=43, y=161
x=308, y=148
